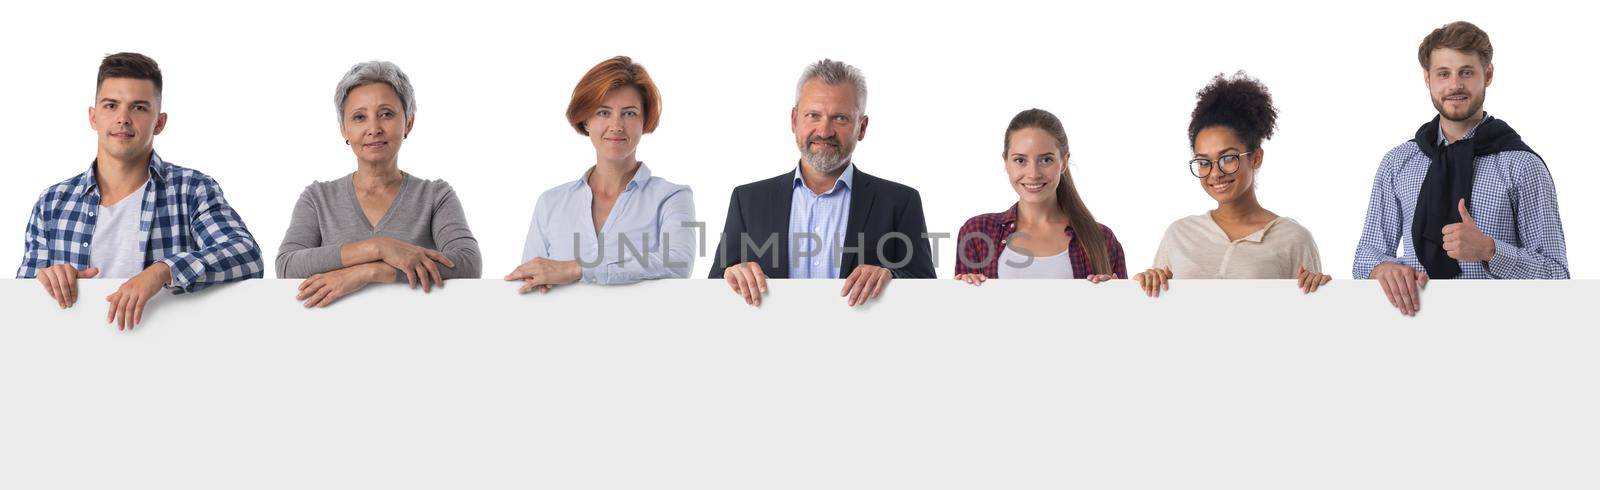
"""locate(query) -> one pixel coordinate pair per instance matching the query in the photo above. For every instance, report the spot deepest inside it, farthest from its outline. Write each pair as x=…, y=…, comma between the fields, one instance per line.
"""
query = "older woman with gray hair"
x=377, y=224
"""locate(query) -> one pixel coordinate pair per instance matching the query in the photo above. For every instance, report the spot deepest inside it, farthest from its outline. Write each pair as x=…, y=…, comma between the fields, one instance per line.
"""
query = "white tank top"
x=1015, y=265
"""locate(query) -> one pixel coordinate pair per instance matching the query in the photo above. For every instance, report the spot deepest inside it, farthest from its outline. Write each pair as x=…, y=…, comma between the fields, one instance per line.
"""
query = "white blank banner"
x=678, y=384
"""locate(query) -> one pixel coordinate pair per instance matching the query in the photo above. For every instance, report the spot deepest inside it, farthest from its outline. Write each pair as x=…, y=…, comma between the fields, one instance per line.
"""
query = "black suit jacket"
x=881, y=211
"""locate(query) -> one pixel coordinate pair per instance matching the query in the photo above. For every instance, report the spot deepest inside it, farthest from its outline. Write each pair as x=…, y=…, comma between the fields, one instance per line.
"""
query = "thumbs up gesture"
x=1464, y=241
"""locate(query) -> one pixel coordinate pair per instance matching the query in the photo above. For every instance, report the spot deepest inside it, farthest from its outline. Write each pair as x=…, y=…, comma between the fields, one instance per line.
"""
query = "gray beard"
x=825, y=162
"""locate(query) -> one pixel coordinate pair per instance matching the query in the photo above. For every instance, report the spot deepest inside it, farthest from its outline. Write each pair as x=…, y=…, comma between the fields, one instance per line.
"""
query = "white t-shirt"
x=116, y=247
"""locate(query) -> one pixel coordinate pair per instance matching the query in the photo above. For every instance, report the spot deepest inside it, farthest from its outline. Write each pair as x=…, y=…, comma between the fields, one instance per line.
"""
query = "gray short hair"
x=370, y=72
x=832, y=72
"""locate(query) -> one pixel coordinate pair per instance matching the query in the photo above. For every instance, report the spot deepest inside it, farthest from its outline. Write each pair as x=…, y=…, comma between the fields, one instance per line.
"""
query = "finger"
x=71, y=282
x=125, y=322
x=1391, y=287
x=519, y=273
x=316, y=296
x=526, y=287
x=439, y=257
x=743, y=286
x=433, y=270
x=89, y=273
x=1388, y=290
x=422, y=277
x=1422, y=280
x=138, y=311
x=63, y=287
x=882, y=282
x=309, y=287
x=1401, y=301
x=411, y=277
x=850, y=281
x=111, y=306
x=327, y=299
x=1466, y=217
x=982, y=278
x=55, y=287
x=854, y=294
x=49, y=288
x=1416, y=297
x=1408, y=294
x=116, y=311
x=865, y=291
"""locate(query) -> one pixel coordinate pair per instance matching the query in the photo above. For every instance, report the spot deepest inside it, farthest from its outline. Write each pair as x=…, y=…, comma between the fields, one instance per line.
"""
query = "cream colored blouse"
x=1196, y=248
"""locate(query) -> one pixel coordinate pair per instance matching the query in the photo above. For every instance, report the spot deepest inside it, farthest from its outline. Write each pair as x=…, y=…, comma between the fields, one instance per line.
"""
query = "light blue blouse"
x=650, y=234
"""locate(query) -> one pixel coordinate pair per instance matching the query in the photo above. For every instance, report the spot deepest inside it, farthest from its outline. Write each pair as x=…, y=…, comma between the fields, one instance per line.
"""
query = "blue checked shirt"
x=187, y=224
x=816, y=227
x=1513, y=202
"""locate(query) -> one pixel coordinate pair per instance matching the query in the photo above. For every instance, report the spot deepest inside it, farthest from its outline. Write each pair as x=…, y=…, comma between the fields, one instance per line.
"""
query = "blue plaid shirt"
x=1513, y=202
x=187, y=224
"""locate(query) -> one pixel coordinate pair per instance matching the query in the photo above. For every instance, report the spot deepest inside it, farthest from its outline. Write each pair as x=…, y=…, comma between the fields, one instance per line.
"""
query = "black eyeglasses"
x=1201, y=167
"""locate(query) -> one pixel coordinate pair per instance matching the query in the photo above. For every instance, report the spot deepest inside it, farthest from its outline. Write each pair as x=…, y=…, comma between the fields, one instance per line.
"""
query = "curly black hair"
x=1239, y=103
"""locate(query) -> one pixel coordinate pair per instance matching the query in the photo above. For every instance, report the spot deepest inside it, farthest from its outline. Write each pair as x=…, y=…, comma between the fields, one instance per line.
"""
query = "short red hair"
x=610, y=75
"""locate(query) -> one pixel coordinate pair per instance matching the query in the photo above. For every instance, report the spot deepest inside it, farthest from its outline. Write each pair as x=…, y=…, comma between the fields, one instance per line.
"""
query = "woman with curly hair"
x=1239, y=239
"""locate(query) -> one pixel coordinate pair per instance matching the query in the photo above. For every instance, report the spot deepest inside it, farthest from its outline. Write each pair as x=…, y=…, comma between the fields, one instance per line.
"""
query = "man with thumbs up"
x=131, y=214
x=1465, y=198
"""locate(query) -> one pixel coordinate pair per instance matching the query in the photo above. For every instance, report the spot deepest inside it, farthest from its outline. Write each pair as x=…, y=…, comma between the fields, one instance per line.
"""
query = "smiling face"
x=827, y=123
x=616, y=126
x=1212, y=144
x=1457, y=82
x=126, y=117
x=1034, y=164
x=374, y=123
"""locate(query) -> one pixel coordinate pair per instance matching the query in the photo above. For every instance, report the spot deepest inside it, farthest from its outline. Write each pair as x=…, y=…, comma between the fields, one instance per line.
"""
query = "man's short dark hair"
x=129, y=65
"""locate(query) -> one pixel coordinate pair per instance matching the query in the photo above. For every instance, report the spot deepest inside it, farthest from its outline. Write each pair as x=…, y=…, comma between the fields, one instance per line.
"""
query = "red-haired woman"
x=618, y=223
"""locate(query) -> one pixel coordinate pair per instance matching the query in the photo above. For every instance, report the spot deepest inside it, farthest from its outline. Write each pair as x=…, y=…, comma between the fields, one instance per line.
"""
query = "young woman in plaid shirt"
x=1049, y=233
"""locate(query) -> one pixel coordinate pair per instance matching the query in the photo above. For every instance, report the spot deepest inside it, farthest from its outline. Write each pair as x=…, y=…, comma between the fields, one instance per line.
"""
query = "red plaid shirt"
x=983, y=236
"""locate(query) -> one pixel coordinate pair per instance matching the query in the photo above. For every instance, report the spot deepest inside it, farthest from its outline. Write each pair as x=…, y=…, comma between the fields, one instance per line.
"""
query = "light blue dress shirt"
x=817, y=227
x=650, y=233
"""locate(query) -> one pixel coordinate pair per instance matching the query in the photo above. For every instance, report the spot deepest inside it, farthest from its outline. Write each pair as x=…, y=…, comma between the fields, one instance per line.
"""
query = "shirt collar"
x=847, y=179
x=1443, y=141
x=158, y=173
x=639, y=178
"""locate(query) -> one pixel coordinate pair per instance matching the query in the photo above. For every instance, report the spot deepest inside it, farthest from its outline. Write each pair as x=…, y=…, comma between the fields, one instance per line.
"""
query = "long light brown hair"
x=1084, y=227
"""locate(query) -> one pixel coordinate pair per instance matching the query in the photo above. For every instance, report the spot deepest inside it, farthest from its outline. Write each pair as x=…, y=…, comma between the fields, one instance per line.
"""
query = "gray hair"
x=832, y=72
x=371, y=72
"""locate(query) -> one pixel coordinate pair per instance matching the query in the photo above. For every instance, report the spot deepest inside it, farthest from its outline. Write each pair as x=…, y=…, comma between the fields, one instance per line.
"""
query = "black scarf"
x=1448, y=181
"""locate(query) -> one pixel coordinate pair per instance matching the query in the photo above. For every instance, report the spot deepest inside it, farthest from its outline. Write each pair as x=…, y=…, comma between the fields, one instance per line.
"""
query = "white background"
x=249, y=89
